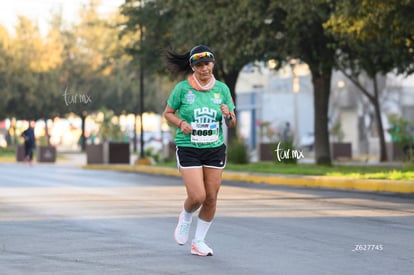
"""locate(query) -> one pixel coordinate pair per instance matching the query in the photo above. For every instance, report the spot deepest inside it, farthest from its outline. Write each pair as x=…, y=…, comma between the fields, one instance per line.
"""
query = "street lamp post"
x=141, y=88
x=141, y=103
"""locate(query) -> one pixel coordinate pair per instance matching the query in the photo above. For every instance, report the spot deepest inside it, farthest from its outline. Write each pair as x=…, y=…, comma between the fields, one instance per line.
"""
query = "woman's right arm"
x=169, y=114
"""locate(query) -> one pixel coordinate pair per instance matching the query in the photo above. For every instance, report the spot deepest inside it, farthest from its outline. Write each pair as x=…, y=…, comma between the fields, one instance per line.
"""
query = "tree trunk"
x=321, y=87
x=46, y=132
x=374, y=100
x=231, y=79
x=83, y=136
x=377, y=108
x=135, y=137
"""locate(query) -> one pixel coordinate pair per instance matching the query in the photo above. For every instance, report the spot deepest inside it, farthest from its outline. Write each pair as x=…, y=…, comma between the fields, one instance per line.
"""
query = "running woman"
x=197, y=106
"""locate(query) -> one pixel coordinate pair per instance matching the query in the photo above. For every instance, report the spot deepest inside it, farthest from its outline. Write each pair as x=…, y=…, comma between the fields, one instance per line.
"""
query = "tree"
x=24, y=65
x=32, y=74
x=375, y=42
x=302, y=36
x=5, y=72
x=74, y=68
x=390, y=22
x=178, y=25
x=93, y=73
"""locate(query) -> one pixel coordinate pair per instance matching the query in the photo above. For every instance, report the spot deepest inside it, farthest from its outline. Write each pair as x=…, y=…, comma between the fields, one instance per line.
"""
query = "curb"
x=371, y=185
x=7, y=160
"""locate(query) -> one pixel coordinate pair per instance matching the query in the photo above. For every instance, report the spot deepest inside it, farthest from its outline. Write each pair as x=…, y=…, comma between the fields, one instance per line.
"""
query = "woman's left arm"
x=229, y=117
x=232, y=122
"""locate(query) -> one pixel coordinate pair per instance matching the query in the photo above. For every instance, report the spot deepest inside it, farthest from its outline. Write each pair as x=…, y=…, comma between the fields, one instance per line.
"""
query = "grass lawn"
x=7, y=154
x=405, y=172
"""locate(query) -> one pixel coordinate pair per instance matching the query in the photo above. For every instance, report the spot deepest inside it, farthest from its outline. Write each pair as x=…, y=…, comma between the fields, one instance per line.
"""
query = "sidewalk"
x=329, y=182
x=388, y=186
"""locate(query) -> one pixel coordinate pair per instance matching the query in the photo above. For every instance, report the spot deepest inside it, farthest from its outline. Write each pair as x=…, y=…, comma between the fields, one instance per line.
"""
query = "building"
x=268, y=99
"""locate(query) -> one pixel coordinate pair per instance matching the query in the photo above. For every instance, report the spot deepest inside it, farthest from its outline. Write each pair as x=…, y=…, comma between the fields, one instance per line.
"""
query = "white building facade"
x=268, y=99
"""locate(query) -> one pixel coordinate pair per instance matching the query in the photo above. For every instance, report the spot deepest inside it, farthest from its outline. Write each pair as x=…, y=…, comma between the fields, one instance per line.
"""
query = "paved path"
x=57, y=219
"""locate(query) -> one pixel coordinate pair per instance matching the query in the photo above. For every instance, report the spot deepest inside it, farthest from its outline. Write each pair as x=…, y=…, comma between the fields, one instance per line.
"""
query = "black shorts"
x=188, y=157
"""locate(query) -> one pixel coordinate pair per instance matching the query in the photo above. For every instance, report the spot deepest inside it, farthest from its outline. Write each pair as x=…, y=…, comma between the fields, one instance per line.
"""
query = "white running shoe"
x=200, y=248
x=182, y=230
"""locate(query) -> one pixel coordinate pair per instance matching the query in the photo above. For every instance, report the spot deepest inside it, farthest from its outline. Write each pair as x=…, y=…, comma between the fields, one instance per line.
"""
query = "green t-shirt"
x=202, y=110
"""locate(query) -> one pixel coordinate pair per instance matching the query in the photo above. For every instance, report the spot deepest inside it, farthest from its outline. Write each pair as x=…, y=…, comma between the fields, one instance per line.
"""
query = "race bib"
x=204, y=132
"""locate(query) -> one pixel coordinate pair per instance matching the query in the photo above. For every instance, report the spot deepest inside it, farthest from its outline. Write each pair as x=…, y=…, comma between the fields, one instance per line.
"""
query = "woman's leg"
x=194, y=183
x=193, y=180
x=26, y=151
x=212, y=183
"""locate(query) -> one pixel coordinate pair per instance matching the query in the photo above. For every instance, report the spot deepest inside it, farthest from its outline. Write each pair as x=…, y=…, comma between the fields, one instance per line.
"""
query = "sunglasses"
x=203, y=55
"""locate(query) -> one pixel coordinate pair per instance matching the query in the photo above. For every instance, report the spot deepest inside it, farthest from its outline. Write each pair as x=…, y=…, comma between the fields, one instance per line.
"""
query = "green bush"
x=237, y=153
x=401, y=133
x=150, y=152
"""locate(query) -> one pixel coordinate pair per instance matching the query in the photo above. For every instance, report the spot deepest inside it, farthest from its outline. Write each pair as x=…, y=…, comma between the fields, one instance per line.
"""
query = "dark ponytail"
x=177, y=63
x=180, y=63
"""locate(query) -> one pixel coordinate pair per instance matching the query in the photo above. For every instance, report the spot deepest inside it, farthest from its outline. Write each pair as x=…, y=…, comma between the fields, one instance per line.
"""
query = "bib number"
x=204, y=132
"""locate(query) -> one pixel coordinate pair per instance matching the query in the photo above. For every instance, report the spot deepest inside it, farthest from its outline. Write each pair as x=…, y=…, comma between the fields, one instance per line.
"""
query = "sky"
x=39, y=11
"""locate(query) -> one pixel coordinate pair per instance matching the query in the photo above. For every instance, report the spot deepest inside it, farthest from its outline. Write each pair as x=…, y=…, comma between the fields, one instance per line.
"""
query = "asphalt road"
x=58, y=219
